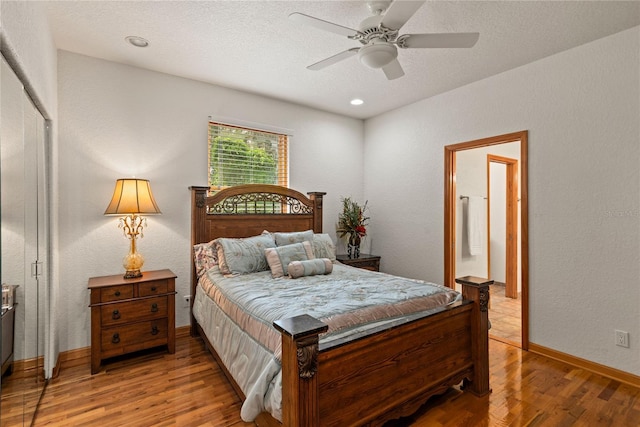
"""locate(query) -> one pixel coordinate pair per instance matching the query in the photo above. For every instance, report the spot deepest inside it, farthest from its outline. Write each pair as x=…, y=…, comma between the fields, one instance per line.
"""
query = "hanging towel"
x=476, y=224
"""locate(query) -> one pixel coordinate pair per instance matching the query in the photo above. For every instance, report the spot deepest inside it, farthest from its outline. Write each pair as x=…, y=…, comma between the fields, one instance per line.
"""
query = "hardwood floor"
x=153, y=388
x=20, y=394
x=188, y=389
x=505, y=316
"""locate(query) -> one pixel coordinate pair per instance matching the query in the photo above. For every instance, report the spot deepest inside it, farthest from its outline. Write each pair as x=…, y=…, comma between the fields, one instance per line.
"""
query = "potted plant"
x=352, y=223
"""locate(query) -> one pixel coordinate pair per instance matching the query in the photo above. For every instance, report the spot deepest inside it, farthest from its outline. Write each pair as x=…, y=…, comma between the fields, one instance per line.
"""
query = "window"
x=246, y=156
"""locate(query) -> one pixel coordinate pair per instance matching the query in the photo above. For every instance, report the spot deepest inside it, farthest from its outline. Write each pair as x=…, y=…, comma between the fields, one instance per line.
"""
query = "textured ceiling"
x=253, y=46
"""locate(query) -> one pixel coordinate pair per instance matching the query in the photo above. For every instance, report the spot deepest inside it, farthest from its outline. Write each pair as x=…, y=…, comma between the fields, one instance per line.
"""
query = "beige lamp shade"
x=132, y=196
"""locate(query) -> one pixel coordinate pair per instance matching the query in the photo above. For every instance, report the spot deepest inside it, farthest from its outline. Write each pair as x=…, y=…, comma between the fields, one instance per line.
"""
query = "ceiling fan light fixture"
x=377, y=55
x=380, y=38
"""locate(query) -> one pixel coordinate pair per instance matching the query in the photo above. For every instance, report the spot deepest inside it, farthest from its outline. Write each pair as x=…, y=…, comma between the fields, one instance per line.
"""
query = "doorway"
x=455, y=173
x=503, y=225
x=502, y=248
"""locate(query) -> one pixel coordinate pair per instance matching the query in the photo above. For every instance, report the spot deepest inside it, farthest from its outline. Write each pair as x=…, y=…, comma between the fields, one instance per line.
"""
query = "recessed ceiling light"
x=137, y=41
x=357, y=101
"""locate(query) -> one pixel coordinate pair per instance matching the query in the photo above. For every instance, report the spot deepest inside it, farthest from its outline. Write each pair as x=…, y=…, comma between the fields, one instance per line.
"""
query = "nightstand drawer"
x=157, y=287
x=137, y=336
x=367, y=265
x=131, y=311
x=116, y=293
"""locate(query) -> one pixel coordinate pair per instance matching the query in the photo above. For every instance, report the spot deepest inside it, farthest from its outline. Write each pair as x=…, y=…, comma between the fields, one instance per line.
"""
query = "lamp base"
x=132, y=263
x=132, y=274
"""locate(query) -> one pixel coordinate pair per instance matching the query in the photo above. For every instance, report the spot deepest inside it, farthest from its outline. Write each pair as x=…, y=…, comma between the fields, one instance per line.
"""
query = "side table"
x=131, y=314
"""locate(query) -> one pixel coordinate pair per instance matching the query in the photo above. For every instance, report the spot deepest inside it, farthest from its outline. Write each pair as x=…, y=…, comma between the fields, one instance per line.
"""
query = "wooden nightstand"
x=131, y=314
x=366, y=261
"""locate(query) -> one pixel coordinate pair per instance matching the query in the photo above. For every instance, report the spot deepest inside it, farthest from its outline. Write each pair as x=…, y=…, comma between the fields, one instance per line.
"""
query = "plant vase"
x=353, y=246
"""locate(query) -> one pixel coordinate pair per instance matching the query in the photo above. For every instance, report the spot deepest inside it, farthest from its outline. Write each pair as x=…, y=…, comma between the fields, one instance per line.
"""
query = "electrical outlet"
x=622, y=338
x=187, y=300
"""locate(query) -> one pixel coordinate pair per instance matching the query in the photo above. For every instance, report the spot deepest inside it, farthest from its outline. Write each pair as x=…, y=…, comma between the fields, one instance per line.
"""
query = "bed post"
x=198, y=212
x=300, y=389
x=316, y=198
x=477, y=290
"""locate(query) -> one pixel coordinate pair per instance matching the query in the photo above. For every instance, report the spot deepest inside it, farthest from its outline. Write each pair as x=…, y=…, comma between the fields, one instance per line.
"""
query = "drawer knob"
x=153, y=289
x=115, y=339
x=117, y=293
x=154, y=330
x=115, y=315
x=154, y=308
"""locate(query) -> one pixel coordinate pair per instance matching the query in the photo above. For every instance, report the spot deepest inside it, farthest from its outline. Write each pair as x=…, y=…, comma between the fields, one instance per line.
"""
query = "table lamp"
x=131, y=199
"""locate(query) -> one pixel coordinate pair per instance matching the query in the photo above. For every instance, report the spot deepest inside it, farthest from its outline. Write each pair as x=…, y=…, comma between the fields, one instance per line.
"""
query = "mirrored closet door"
x=24, y=250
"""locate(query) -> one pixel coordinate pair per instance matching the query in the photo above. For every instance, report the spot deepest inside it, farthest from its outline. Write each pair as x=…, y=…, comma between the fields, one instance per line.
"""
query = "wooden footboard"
x=385, y=374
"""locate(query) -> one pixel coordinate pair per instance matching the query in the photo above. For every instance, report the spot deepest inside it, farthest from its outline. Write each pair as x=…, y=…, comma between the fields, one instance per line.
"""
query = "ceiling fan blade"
x=322, y=25
x=399, y=13
x=437, y=40
x=393, y=70
x=333, y=59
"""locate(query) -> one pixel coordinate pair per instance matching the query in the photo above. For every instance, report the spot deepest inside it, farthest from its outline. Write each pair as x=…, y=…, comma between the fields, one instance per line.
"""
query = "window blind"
x=240, y=155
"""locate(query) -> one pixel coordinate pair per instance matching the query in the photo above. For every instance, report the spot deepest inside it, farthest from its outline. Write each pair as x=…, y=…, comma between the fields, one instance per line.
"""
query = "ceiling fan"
x=379, y=36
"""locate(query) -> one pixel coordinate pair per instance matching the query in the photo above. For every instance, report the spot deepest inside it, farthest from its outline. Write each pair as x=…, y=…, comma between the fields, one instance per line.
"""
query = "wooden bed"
x=387, y=373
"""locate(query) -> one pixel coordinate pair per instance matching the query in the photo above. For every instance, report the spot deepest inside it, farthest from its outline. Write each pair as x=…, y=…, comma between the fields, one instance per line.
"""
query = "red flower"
x=361, y=230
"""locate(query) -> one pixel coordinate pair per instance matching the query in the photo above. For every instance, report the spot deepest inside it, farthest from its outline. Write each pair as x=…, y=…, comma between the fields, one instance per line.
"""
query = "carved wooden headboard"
x=247, y=210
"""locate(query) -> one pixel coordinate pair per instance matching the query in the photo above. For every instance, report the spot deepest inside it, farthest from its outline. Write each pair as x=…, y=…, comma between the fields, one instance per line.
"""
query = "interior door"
x=35, y=238
x=42, y=277
x=12, y=189
x=23, y=245
x=506, y=169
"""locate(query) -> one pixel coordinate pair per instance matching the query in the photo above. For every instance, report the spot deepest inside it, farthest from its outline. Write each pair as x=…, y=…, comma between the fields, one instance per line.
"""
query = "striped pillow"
x=309, y=267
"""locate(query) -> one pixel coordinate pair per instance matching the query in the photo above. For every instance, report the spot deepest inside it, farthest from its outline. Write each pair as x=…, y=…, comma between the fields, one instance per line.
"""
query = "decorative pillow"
x=283, y=239
x=323, y=247
x=204, y=257
x=240, y=256
x=310, y=267
x=280, y=257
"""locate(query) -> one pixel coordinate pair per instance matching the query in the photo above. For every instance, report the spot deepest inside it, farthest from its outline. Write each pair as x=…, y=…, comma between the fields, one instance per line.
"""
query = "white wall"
x=119, y=121
x=29, y=48
x=582, y=110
